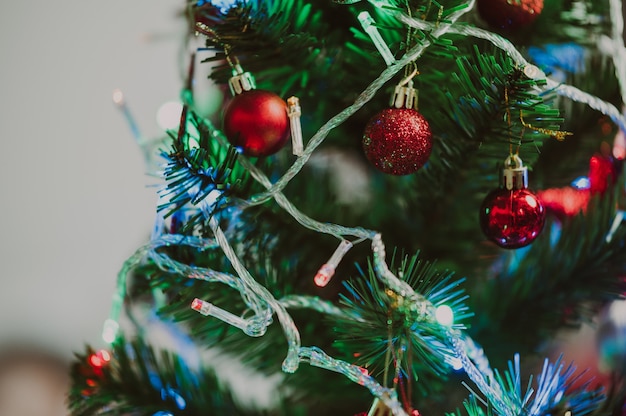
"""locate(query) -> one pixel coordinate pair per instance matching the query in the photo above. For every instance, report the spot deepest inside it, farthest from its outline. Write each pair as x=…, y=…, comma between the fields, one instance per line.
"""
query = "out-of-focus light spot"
x=104, y=355
x=118, y=96
x=173, y=394
x=444, y=315
x=456, y=364
x=617, y=313
x=619, y=146
x=95, y=361
x=581, y=183
x=168, y=115
x=558, y=396
x=109, y=333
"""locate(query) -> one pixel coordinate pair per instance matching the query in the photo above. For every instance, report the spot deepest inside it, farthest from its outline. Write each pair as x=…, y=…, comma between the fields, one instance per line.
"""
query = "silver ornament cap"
x=241, y=81
x=404, y=96
x=514, y=174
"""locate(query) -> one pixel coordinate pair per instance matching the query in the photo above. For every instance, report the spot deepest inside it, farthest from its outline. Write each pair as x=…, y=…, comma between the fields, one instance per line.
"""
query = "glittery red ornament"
x=256, y=121
x=512, y=216
x=509, y=14
x=397, y=141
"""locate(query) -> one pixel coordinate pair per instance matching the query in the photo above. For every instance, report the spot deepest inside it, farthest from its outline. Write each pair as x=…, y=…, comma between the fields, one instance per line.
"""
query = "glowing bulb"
x=617, y=313
x=168, y=115
x=456, y=364
x=619, y=146
x=444, y=315
x=581, y=183
x=95, y=361
x=104, y=355
x=118, y=97
x=99, y=359
x=109, y=333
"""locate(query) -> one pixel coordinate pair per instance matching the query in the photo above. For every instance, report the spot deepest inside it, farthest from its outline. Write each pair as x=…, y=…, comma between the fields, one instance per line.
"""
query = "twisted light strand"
x=361, y=100
x=318, y=358
x=290, y=364
x=136, y=258
x=619, y=50
x=565, y=90
x=315, y=303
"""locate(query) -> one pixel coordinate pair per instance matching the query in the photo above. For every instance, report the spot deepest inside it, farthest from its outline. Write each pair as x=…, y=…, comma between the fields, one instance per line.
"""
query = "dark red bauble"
x=256, y=121
x=397, y=141
x=512, y=218
x=509, y=14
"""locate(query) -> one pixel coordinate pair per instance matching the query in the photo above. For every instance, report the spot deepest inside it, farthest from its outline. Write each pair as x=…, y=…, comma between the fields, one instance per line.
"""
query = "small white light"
x=444, y=315
x=581, y=182
x=109, y=333
x=168, y=115
x=118, y=96
x=456, y=364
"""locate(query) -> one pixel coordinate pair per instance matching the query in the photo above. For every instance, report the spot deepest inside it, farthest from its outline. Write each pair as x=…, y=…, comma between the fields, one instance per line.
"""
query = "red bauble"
x=509, y=14
x=512, y=218
x=397, y=141
x=256, y=121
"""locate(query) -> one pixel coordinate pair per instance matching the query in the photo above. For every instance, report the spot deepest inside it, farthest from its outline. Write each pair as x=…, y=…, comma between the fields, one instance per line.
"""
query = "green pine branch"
x=141, y=381
x=561, y=280
x=379, y=321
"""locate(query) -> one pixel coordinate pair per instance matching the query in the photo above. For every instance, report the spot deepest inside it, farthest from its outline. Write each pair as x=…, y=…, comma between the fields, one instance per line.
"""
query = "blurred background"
x=76, y=197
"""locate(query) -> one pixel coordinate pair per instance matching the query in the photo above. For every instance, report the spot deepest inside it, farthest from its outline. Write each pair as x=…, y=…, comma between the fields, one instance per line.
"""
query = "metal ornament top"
x=241, y=81
x=514, y=174
x=404, y=96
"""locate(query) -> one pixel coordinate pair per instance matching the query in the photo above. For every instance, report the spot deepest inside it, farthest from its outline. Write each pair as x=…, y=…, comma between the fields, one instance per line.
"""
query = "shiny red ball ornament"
x=256, y=121
x=509, y=15
x=512, y=216
x=397, y=141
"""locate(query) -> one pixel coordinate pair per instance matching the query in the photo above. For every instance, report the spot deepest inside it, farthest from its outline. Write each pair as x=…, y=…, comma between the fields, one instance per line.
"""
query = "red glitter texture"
x=512, y=218
x=509, y=14
x=256, y=121
x=397, y=141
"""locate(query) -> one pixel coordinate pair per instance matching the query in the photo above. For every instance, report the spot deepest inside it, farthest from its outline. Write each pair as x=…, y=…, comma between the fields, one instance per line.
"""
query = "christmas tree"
x=400, y=206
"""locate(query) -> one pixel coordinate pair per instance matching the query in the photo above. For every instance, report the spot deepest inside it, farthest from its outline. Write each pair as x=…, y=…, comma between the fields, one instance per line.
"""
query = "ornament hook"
x=404, y=95
x=514, y=174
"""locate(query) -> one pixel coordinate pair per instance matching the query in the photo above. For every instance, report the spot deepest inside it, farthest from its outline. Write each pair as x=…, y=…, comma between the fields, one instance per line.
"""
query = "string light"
x=294, y=112
x=370, y=28
x=444, y=315
x=326, y=272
